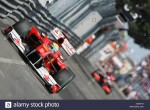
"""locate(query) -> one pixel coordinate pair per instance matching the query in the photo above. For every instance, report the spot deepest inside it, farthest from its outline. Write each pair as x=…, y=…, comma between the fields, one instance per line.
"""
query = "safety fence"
x=34, y=11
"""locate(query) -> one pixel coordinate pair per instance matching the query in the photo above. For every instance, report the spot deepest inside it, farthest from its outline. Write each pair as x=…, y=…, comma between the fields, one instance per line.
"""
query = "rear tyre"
x=22, y=27
x=47, y=86
x=64, y=77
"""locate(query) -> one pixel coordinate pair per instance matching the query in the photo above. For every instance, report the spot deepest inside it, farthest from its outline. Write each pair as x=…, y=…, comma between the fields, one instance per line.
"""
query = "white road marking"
x=27, y=73
x=11, y=61
x=1, y=73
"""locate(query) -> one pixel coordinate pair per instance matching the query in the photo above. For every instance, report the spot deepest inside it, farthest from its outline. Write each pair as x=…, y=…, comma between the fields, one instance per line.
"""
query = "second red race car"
x=104, y=80
x=42, y=53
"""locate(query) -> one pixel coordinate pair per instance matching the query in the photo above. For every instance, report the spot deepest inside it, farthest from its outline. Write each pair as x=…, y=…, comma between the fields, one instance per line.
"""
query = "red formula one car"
x=43, y=54
x=104, y=80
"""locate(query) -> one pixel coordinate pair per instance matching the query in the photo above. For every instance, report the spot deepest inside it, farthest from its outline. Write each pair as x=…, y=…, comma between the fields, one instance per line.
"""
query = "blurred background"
x=112, y=36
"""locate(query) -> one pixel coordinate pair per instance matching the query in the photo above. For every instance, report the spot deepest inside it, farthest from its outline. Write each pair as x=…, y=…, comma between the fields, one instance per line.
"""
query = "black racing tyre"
x=47, y=86
x=22, y=27
x=63, y=77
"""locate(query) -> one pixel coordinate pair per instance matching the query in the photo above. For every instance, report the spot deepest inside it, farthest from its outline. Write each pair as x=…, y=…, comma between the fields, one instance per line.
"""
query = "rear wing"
x=66, y=44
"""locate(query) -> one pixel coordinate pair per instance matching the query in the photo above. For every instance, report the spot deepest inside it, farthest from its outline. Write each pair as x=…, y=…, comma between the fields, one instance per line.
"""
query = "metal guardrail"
x=34, y=11
x=18, y=9
x=74, y=11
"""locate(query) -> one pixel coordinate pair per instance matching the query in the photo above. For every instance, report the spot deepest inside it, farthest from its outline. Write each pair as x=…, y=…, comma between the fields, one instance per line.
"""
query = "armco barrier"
x=33, y=10
x=18, y=9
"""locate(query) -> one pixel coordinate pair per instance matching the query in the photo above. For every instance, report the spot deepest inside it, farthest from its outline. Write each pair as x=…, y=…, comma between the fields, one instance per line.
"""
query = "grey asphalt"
x=19, y=81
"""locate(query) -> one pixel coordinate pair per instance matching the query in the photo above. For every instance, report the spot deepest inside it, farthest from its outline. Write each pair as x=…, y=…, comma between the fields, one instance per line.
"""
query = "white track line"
x=2, y=74
x=11, y=61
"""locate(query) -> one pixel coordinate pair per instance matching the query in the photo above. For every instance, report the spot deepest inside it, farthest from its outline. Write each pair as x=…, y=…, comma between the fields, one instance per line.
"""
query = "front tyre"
x=22, y=27
x=63, y=78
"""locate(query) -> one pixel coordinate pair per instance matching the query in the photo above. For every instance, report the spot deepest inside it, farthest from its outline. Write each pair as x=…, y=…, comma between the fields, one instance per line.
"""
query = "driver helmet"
x=54, y=47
